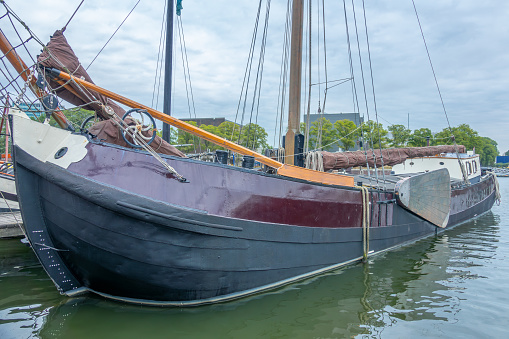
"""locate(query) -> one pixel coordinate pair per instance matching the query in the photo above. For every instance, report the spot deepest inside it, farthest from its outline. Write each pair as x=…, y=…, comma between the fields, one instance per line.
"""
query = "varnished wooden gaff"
x=284, y=170
x=22, y=69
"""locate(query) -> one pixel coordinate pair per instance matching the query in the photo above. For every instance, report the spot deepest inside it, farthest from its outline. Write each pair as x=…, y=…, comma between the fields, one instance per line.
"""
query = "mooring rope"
x=10, y=210
x=365, y=222
x=498, y=196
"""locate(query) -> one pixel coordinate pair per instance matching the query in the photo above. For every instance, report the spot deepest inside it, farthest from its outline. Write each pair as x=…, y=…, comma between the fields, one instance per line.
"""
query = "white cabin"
x=470, y=162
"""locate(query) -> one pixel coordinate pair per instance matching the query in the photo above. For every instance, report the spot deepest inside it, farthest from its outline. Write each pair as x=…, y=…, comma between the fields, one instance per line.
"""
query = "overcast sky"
x=467, y=41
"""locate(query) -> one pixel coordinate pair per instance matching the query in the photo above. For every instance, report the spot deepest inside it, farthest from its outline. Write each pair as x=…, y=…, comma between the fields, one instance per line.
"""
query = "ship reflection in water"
x=449, y=285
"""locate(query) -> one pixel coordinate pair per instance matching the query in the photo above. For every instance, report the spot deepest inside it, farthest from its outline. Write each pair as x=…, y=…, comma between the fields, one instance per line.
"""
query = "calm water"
x=452, y=285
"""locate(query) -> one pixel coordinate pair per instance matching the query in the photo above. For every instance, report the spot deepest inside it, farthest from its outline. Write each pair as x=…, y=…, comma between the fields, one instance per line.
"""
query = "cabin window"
x=475, y=166
x=469, y=168
x=441, y=162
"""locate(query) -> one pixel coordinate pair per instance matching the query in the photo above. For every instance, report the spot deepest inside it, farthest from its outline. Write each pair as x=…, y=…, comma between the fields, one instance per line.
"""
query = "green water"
x=449, y=286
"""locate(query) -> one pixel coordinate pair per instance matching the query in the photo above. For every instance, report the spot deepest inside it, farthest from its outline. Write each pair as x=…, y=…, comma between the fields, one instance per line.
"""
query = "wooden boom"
x=282, y=169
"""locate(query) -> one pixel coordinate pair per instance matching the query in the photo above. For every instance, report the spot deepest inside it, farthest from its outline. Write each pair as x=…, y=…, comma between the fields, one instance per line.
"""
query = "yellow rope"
x=365, y=222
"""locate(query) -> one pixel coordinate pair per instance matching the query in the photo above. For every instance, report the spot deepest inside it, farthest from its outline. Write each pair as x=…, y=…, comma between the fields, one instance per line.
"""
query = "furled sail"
x=59, y=54
x=391, y=156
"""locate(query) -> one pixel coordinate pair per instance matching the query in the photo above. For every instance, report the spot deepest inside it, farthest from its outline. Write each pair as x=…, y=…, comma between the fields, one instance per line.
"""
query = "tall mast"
x=295, y=80
x=168, y=68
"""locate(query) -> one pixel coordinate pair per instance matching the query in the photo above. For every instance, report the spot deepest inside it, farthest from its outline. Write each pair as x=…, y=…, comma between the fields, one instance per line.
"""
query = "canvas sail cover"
x=59, y=54
x=391, y=156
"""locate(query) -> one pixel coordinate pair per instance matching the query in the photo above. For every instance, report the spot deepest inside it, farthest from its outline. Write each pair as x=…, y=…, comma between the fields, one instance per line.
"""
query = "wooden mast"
x=295, y=80
x=168, y=68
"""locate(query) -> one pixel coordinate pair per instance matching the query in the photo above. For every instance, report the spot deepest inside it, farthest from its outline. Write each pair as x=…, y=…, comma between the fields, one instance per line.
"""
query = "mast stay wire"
x=72, y=16
x=187, y=75
x=374, y=97
x=355, y=98
x=111, y=37
x=365, y=94
x=325, y=69
x=247, y=75
x=283, y=77
x=465, y=176
x=159, y=67
x=183, y=45
x=259, y=76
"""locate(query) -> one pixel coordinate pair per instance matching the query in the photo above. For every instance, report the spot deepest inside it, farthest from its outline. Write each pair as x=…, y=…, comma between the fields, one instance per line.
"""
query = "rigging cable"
x=258, y=82
x=355, y=98
x=374, y=97
x=465, y=177
x=159, y=68
x=247, y=75
x=186, y=68
x=113, y=34
x=187, y=74
x=72, y=16
x=365, y=96
x=324, y=59
x=283, y=77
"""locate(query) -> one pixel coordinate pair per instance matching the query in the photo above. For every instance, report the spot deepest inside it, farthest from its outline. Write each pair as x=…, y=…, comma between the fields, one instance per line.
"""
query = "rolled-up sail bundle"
x=391, y=156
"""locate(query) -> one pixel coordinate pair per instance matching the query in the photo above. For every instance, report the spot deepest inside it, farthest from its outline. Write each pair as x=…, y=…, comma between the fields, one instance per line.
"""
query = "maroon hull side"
x=233, y=192
x=229, y=192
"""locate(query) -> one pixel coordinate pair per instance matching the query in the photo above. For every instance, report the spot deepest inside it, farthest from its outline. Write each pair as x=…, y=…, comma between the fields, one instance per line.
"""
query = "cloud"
x=466, y=41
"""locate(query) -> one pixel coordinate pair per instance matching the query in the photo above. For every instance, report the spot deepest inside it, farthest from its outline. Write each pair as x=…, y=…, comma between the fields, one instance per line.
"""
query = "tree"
x=75, y=116
x=205, y=145
x=488, y=151
x=419, y=137
x=400, y=135
x=226, y=128
x=344, y=133
x=465, y=135
x=187, y=138
x=253, y=136
x=375, y=136
x=324, y=127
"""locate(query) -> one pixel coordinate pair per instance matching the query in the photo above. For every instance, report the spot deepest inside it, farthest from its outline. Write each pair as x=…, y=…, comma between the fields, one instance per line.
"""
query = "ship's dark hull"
x=91, y=233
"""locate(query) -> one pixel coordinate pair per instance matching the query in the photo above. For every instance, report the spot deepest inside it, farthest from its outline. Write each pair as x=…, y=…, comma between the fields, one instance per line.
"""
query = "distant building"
x=207, y=121
x=333, y=117
x=33, y=110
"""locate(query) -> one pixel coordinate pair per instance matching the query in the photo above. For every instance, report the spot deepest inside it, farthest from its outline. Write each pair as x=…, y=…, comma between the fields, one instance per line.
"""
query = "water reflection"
x=26, y=292
x=419, y=284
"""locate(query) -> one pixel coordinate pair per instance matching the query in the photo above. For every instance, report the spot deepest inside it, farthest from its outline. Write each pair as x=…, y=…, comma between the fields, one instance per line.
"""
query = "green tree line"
x=345, y=135
x=342, y=133
x=252, y=136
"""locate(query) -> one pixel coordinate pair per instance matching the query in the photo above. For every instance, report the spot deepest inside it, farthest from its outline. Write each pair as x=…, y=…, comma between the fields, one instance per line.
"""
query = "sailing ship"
x=135, y=225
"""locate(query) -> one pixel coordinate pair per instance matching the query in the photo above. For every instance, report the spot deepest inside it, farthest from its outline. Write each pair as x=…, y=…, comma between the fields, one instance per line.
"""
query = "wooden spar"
x=295, y=80
x=25, y=74
x=285, y=170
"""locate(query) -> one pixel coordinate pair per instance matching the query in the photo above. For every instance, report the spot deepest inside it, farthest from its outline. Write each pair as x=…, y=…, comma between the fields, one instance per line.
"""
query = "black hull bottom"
x=90, y=237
